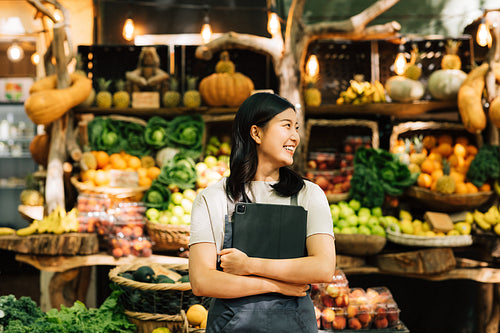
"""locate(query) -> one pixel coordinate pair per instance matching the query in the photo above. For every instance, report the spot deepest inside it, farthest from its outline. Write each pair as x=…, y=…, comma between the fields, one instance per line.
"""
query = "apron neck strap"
x=293, y=200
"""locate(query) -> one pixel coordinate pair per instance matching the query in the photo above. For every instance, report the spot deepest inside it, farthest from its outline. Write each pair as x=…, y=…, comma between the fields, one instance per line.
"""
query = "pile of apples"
x=215, y=165
x=351, y=218
x=178, y=212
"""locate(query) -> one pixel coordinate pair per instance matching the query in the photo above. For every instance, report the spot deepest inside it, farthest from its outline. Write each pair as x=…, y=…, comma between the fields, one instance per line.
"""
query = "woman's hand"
x=234, y=261
x=291, y=289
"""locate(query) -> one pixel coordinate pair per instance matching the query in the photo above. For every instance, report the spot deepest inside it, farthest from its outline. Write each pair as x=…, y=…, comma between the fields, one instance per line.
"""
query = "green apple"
x=176, y=220
x=364, y=230
x=355, y=204
x=186, y=219
x=187, y=205
x=363, y=211
x=164, y=219
x=378, y=230
x=178, y=211
x=363, y=219
x=373, y=220
x=189, y=194
x=346, y=230
x=346, y=211
x=352, y=220
x=336, y=230
x=335, y=210
x=383, y=221
x=153, y=214
x=210, y=161
x=176, y=198
x=342, y=223
x=377, y=211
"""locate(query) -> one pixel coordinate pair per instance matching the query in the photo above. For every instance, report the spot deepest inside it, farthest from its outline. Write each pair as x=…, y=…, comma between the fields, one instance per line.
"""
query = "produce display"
x=362, y=92
x=57, y=222
x=351, y=218
x=443, y=84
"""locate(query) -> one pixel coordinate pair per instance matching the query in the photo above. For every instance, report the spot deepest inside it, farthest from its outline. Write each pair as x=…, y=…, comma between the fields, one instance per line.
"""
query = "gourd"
x=403, y=89
x=47, y=103
x=494, y=112
x=444, y=84
x=470, y=105
x=39, y=149
x=225, y=88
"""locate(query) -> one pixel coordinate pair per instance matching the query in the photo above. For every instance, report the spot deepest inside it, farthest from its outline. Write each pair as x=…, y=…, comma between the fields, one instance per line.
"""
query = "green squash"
x=403, y=89
x=144, y=274
x=444, y=84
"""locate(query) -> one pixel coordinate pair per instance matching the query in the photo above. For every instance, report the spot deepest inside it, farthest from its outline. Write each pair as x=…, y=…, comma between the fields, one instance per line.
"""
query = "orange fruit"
x=462, y=140
x=134, y=162
x=145, y=181
x=118, y=163
x=459, y=150
x=88, y=175
x=471, y=188
x=142, y=172
x=427, y=166
x=424, y=180
x=436, y=174
x=102, y=159
x=435, y=156
x=471, y=150
x=429, y=142
x=445, y=138
x=485, y=187
x=460, y=188
x=153, y=172
x=459, y=177
x=101, y=178
x=445, y=149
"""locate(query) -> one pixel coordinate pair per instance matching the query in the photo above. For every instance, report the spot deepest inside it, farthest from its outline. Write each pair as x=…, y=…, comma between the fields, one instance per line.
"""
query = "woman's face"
x=277, y=140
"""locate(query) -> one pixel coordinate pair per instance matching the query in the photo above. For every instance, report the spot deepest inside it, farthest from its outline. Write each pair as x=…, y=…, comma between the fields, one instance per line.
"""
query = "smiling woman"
x=264, y=198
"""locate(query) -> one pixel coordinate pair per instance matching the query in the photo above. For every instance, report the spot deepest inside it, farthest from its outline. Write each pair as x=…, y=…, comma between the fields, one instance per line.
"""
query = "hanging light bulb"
x=35, y=58
x=312, y=66
x=483, y=36
x=400, y=62
x=58, y=15
x=273, y=23
x=15, y=52
x=128, y=29
x=206, y=29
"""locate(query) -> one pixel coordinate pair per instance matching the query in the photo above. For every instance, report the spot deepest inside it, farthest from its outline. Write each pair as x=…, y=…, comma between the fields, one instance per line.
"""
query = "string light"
x=273, y=22
x=483, y=36
x=128, y=29
x=312, y=66
x=206, y=29
x=15, y=52
x=35, y=58
x=400, y=62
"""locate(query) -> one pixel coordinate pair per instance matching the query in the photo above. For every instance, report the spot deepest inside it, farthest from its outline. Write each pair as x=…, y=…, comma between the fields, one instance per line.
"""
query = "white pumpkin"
x=403, y=89
x=444, y=84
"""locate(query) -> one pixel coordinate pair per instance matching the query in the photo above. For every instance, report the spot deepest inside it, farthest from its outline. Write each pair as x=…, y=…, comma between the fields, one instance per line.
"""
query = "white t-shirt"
x=210, y=208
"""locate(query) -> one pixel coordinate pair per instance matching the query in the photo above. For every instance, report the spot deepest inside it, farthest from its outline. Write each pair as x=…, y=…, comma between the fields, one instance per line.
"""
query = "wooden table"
x=71, y=278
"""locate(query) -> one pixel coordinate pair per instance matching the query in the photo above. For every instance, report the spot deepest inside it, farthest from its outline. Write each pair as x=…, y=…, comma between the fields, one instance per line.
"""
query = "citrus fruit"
x=196, y=314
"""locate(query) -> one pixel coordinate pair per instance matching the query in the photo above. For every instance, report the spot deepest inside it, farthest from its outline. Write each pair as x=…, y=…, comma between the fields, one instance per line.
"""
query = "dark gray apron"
x=265, y=313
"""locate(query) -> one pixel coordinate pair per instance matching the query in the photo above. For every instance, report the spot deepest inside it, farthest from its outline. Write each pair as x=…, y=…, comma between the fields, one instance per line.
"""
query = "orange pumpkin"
x=224, y=89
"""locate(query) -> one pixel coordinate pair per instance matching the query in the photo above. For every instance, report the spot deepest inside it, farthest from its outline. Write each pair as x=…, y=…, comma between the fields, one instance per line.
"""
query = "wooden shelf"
x=386, y=109
x=149, y=112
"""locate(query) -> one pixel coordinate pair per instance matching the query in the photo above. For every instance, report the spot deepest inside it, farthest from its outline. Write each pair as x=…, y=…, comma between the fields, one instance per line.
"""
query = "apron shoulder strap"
x=293, y=200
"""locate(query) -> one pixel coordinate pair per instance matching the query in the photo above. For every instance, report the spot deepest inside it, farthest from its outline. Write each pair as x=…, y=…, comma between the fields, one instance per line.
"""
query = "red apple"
x=327, y=301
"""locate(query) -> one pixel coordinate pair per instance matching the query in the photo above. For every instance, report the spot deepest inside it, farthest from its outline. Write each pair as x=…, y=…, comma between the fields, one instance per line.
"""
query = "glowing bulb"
x=400, y=63
x=57, y=15
x=128, y=29
x=35, y=58
x=15, y=53
x=273, y=23
x=312, y=66
x=206, y=33
x=483, y=36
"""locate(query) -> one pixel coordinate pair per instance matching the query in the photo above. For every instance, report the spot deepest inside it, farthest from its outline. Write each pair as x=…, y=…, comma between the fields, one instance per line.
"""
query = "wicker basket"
x=168, y=237
x=147, y=322
x=448, y=202
x=358, y=244
x=410, y=129
x=134, y=193
x=443, y=241
x=155, y=298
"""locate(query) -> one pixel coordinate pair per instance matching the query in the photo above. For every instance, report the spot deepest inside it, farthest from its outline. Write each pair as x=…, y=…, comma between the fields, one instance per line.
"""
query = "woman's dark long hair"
x=257, y=109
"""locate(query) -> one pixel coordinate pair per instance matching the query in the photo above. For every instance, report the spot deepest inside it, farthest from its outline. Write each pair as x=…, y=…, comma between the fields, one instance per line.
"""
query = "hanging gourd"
x=225, y=87
x=46, y=103
x=444, y=83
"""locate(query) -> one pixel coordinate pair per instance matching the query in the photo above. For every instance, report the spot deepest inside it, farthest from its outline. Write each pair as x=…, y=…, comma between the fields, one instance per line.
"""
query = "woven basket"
x=411, y=129
x=448, y=202
x=168, y=237
x=442, y=241
x=147, y=322
x=358, y=244
x=155, y=298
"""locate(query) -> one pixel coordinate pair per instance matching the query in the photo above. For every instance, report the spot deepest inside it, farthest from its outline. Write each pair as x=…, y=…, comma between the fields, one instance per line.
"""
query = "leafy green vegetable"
x=186, y=132
x=485, y=166
x=378, y=173
x=156, y=132
x=179, y=171
x=23, y=310
x=157, y=196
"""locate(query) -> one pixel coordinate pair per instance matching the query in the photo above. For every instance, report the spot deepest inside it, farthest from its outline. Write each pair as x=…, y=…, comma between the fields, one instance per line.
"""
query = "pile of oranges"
x=97, y=166
x=436, y=152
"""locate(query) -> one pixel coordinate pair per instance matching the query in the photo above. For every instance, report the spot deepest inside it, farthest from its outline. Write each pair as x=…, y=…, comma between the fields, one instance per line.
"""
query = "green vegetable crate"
x=153, y=305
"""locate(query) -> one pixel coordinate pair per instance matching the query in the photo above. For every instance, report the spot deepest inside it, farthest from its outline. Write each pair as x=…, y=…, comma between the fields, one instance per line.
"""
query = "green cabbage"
x=186, y=133
x=156, y=132
x=179, y=171
x=157, y=196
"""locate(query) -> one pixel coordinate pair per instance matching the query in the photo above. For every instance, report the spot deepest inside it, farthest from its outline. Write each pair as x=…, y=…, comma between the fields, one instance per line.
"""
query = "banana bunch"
x=57, y=222
x=488, y=220
x=6, y=231
x=362, y=92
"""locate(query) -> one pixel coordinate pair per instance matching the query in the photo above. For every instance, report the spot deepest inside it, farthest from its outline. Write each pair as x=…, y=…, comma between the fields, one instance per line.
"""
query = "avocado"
x=144, y=274
x=164, y=279
x=184, y=278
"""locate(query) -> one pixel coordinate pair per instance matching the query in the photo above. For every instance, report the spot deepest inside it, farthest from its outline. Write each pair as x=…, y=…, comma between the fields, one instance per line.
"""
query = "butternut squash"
x=46, y=105
x=494, y=112
x=469, y=100
x=46, y=83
